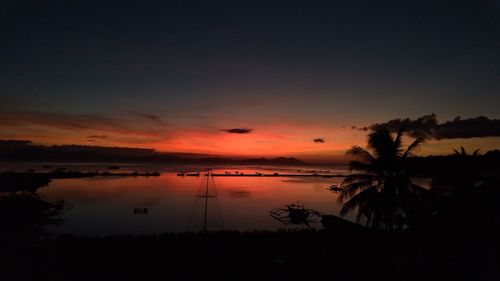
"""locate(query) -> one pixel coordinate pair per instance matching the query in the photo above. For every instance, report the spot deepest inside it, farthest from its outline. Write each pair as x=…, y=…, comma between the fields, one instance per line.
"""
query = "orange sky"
x=289, y=138
x=279, y=137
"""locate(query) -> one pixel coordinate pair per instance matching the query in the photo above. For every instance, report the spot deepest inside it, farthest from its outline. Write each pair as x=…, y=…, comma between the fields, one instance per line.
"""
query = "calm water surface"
x=105, y=205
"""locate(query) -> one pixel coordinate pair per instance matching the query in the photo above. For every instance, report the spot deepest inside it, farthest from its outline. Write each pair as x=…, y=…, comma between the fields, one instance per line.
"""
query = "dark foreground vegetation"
x=340, y=254
x=430, y=166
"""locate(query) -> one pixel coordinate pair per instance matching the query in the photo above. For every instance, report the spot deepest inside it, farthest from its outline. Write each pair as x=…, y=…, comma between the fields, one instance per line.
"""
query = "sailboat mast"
x=206, y=202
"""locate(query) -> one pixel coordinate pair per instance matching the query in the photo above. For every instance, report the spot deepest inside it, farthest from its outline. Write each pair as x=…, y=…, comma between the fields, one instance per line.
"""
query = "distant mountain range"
x=16, y=150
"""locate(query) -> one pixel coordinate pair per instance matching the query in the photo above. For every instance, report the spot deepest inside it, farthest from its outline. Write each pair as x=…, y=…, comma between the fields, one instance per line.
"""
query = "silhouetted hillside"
x=13, y=150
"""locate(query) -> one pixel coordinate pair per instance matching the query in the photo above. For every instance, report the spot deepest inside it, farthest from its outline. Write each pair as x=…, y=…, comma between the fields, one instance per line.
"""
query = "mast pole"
x=206, y=202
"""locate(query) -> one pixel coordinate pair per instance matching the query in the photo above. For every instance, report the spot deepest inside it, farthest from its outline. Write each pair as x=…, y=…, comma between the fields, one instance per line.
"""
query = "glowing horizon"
x=315, y=141
x=173, y=76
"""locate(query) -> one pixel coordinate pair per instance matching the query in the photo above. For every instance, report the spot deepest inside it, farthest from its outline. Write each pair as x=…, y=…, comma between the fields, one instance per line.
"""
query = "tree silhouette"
x=464, y=193
x=24, y=215
x=379, y=187
x=463, y=153
x=461, y=176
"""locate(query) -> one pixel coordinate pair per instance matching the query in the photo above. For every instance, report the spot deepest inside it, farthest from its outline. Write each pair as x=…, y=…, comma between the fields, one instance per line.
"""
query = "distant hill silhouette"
x=24, y=150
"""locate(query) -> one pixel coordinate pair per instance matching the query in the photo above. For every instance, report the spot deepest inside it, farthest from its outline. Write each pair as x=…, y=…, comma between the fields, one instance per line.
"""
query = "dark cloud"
x=99, y=137
x=237, y=130
x=73, y=122
x=427, y=127
x=468, y=128
x=150, y=117
x=66, y=121
x=319, y=140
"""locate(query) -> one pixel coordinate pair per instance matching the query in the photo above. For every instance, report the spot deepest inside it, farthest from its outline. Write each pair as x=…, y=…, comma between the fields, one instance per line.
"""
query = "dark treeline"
x=488, y=162
x=13, y=150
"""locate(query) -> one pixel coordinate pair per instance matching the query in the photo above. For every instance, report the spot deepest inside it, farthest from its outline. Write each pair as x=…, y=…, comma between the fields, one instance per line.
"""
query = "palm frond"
x=360, y=153
x=397, y=140
x=357, y=177
x=354, y=188
x=362, y=198
x=381, y=142
x=414, y=145
x=362, y=167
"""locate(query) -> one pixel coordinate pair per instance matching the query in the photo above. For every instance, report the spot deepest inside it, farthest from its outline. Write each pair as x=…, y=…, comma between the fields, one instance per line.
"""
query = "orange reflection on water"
x=104, y=205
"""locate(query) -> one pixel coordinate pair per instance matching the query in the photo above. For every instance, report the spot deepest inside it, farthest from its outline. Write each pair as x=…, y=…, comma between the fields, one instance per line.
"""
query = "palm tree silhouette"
x=379, y=187
x=463, y=153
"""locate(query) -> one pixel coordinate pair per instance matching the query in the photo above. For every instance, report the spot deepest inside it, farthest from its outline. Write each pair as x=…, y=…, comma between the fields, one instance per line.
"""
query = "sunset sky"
x=249, y=78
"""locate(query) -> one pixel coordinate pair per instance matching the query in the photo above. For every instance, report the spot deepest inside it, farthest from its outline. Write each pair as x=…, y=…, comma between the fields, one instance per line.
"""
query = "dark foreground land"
x=346, y=253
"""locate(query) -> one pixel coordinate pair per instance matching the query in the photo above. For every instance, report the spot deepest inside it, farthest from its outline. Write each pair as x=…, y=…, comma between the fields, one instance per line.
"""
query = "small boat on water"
x=296, y=214
x=335, y=188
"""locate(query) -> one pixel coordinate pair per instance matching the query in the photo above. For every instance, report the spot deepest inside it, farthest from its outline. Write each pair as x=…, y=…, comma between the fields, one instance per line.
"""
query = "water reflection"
x=206, y=214
x=238, y=193
x=103, y=205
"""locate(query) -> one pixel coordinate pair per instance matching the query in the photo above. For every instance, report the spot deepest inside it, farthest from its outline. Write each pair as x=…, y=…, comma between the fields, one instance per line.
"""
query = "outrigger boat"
x=295, y=213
